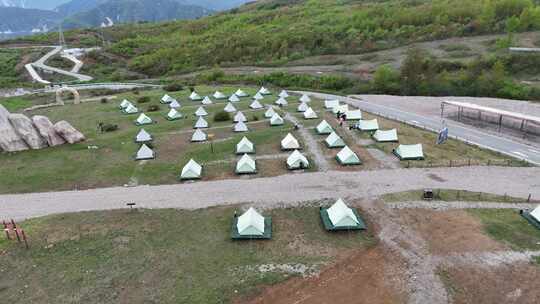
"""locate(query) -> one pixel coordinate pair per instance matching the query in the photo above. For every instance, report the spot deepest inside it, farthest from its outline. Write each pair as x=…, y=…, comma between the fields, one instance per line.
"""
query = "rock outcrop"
x=26, y=130
x=10, y=141
x=46, y=130
x=68, y=132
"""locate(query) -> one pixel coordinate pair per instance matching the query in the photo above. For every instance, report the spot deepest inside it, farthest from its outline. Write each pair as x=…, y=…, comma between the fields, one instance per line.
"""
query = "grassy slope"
x=447, y=195
x=158, y=256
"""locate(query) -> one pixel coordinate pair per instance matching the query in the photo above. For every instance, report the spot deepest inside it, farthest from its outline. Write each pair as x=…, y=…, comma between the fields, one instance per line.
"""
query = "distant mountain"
x=217, y=5
x=77, y=6
x=126, y=11
x=38, y=4
x=20, y=21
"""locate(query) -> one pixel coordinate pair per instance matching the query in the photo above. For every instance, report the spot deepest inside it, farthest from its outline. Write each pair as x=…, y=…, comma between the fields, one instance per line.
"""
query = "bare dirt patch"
x=365, y=276
x=448, y=232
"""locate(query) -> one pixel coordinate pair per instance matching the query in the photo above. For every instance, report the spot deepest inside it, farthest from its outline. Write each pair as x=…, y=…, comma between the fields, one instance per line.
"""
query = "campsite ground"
x=111, y=163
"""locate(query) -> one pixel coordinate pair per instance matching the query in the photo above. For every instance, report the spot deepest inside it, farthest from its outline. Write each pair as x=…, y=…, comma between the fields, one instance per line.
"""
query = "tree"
x=412, y=71
x=385, y=80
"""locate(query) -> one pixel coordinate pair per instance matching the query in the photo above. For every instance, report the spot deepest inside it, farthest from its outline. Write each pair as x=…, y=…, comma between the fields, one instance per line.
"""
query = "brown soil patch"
x=170, y=147
x=517, y=283
x=448, y=232
x=366, y=276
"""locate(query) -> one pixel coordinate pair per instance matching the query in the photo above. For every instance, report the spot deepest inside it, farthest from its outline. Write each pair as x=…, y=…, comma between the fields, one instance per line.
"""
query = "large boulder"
x=46, y=130
x=24, y=127
x=10, y=141
x=68, y=132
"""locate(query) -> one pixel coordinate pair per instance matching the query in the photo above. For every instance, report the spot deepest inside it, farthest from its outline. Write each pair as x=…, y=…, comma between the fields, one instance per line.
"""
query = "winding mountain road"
x=40, y=64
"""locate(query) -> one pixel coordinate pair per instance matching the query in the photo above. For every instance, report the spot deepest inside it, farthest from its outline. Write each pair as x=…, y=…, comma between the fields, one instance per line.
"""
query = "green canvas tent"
x=297, y=161
x=240, y=127
x=289, y=143
x=310, y=114
x=192, y=170
x=264, y=91
x=368, y=125
x=334, y=141
x=234, y=98
x=198, y=136
x=281, y=102
x=229, y=108
x=174, y=115
x=270, y=112
x=174, y=104
x=201, y=112
x=409, y=152
x=143, y=120
x=305, y=98
x=201, y=123
x=130, y=109
x=206, y=101
x=144, y=153
x=241, y=93
x=324, y=128
x=340, y=217
x=251, y=225
x=385, y=136
x=195, y=97
x=330, y=104
x=166, y=99
x=258, y=96
x=143, y=137
x=302, y=107
x=276, y=120
x=347, y=157
x=246, y=165
x=239, y=117
x=255, y=105
x=218, y=95
x=245, y=146
x=354, y=115
x=124, y=104
x=283, y=94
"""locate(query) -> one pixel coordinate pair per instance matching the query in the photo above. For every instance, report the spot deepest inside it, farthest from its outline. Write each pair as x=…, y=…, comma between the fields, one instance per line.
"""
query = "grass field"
x=448, y=195
x=160, y=256
x=509, y=227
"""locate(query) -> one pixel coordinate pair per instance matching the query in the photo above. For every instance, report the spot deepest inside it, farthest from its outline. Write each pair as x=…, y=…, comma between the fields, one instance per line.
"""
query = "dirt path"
x=311, y=144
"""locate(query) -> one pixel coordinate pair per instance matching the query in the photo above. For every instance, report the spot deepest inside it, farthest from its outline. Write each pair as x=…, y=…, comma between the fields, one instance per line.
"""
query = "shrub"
x=153, y=108
x=109, y=128
x=143, y=99
x=222, y=116
x=104, y=100
x=255, y=118
x=135, y=91
x=173, y=87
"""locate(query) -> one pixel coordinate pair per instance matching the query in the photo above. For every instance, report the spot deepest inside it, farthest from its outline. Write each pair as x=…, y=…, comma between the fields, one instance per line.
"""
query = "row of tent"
x=252, y=225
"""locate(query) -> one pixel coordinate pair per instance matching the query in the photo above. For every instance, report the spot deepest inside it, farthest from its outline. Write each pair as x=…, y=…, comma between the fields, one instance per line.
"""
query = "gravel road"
x=286, y=189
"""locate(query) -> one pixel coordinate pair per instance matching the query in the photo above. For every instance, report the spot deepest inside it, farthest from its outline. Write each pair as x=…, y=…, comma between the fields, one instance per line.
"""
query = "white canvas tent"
x=144, y=153
x=385, y=136
x=297, y=161
x=143, y=137
x=245, y=146
x=334, y=141
x=174, y=115
x=340, y=108
x=206, y=101
x=143, y=120
x=239, y=116
x=201, y=123
x=194, y=96
x=250, y=223
x=124, y=104
x=281, y=101
x=341, y=215
x=535, y=214
x=354, y=114
x=258, y=96
x=174, y=104
x=283, y=94
x=324, y=128
x=234, y=98
x=255, y=105
x=240, y=127
x=347, y=157
x=289, y=143
x=198, y=136
x=409, y=152
x=229, y=108
x=368, y=125
x=310, y=114
x=130, y=109
x=218, y=95
x=330, y=104
x=305, y=98
x=302, y=107
x=192, y=170
x=246, y=165
x=241, y=93
x=201, y=112
x=167, y=99
x=269, y=113
x=264, y=91
x=276, y=120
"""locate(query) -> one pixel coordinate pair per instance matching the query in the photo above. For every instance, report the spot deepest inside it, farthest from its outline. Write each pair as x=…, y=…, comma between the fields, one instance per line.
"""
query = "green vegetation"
x=537, y=260
x=159, y=256
x=14, y=104
x=509, y=227
x=448, y=195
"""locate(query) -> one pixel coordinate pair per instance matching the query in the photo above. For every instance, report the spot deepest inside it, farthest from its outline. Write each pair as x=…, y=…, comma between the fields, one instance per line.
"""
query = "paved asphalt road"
x=462, y=132
x=40, y=63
